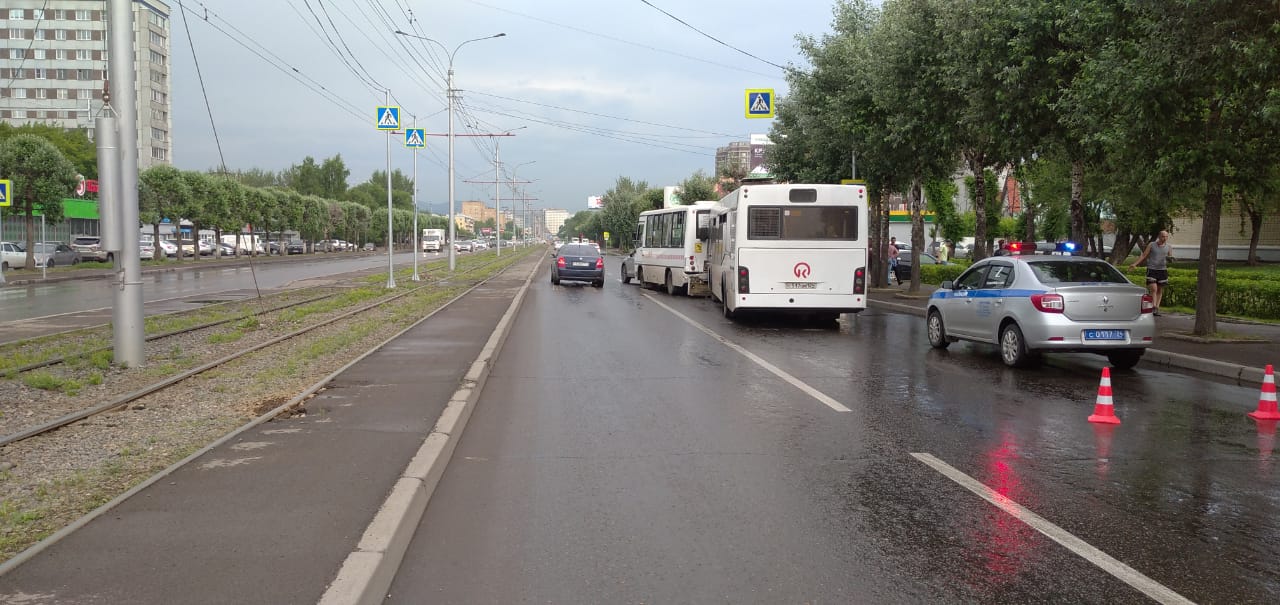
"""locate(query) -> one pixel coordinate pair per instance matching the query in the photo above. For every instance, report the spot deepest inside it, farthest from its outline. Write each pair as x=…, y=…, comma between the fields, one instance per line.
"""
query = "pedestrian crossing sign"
x=759, y=102
x=6, y=189
x=415, y=138
x=388, y=118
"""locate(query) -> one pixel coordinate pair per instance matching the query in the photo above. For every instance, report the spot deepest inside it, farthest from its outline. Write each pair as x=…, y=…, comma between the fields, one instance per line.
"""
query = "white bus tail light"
x=744, y=280
x=860, y=281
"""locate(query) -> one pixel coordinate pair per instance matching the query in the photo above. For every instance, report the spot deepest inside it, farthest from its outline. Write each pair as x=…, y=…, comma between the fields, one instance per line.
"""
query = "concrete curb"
x=367, y=573
x=1238, y=373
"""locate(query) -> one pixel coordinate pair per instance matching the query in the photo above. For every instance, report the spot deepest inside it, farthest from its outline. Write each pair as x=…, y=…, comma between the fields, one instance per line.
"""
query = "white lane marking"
x=1158, y=592
x=796, y=382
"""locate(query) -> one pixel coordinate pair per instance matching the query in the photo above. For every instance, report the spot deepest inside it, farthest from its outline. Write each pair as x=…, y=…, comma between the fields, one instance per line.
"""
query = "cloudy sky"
x=603, y=89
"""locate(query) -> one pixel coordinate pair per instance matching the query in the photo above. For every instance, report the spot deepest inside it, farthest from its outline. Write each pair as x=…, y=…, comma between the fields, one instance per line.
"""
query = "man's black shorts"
x=1158, y=276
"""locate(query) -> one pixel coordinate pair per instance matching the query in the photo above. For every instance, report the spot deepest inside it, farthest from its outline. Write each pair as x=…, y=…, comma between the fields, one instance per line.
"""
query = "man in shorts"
x=1157, y=256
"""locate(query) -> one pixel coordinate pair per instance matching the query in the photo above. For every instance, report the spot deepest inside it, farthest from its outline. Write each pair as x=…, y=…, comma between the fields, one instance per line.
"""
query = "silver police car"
x=1028, y=305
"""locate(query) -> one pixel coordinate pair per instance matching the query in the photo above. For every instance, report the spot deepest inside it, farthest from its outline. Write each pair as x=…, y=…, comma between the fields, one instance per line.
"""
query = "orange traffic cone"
x=1267, y=409
x=1104, y=410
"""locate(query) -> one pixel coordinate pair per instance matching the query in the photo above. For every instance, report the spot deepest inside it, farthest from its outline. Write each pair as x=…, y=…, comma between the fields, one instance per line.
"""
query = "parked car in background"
x=12, y=255
x=168, y=248
x=370, y=247
x=578, y=262
x=903, y=270
x=229, y=250
x=296, y=246
x=146, y=251
x=275, y=248
x=479, y=244
x=1028, y=305
x=55, y=254
x=89, y=247
x=463, y=246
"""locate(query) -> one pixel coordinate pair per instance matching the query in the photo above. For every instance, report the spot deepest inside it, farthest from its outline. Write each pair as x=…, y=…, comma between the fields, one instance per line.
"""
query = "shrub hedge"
x=1244, y=294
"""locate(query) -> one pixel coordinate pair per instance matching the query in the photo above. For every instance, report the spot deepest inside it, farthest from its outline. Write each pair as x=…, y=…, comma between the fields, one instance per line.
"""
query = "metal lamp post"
x=452, y=93
x=513, y=191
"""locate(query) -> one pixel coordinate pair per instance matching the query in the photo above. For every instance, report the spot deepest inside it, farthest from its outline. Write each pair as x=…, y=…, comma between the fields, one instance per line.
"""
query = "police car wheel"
x=1013, y=347
x=937, y=331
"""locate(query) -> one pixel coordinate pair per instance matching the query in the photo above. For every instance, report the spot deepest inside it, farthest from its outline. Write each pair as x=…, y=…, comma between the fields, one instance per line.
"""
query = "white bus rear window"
x=839, y=223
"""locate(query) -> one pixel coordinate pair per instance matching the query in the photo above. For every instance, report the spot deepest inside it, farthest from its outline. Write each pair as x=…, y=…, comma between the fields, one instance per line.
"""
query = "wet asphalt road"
x=619, y=454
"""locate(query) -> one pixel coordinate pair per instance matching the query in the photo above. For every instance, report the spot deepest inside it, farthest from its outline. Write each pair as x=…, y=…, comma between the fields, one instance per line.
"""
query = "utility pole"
x=391, y=265
x=119, y=171
x=415, y=244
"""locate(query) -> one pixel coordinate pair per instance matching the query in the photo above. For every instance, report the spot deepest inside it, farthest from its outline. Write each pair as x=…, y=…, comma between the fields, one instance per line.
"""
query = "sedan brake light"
x=1148, y=304
x=560, y=262
x=1048, y=303
x=600, y=263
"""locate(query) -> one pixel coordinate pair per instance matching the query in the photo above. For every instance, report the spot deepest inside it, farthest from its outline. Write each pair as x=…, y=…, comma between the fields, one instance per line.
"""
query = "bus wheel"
x=671, y=287
x=626, y=279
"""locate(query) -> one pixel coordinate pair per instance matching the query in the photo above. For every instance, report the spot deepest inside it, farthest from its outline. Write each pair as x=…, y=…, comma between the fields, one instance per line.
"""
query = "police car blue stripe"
x=985, y=293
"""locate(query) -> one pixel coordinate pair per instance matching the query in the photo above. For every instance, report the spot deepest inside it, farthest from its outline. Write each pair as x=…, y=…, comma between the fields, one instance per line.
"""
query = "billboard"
x=595, y=202
x=758, y=170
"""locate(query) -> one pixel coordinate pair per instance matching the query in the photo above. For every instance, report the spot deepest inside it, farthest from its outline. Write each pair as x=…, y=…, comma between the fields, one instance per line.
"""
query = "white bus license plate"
x=579, y=264
x=1120, y=335
x=801, y=285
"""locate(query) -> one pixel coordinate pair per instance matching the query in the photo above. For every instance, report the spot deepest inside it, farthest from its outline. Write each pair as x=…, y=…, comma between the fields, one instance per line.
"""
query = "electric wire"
x=217, y=141
x=623, y=41
x=711, y=37
x=334, y=47
x=711, y=133
x=13, y=73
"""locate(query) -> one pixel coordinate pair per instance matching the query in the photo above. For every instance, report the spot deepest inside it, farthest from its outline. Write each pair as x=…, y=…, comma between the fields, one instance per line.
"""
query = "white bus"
x=432, y=240
x=799, y=248
x=670, y=251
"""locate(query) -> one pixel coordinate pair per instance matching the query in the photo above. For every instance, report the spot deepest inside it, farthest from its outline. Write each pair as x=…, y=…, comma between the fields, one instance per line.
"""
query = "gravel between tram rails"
x=49, y=481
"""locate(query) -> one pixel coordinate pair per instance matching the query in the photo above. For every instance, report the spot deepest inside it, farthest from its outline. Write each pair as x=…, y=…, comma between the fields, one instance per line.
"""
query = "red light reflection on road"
x=1002, y=544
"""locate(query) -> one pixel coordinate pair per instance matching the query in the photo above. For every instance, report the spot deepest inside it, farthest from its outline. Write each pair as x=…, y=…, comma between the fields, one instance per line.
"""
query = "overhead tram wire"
x=702, y=151
x=288, y=70
x=648, y=137
x=334, y=47
x=711, y=37
x=622, y=41
x=604, y=115
x=278, y=58
x=430, y=85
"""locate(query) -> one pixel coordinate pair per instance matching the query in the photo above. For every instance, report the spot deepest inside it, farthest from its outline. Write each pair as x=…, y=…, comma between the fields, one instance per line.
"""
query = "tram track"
x=123, y=400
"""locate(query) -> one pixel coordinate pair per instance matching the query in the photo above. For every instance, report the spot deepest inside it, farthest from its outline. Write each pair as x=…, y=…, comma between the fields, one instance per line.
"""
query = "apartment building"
x=479, y=211
x=53, y=68
x=553, y=219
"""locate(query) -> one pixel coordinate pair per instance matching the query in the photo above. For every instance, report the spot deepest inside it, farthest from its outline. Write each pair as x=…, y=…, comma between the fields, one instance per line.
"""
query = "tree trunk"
x=1255, y=225
x=1029, y=211
x=155, y=240
x=915, y=202
x=884, y=238
x=977, y=165
x=1207, y=281
x=1078, y=234
x=875, y=246
x=195, y=241
x=1120, y=250
x=217, y=242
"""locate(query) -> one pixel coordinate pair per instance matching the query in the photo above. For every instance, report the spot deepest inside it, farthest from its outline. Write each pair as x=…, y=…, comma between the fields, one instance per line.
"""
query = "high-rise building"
x=53, y=67
x=553, y=219
x=736, y=154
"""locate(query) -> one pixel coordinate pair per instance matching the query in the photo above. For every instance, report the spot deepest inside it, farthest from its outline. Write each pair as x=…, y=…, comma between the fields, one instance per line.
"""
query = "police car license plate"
x=579, y=264
x=1106, y=335
x=801, y=285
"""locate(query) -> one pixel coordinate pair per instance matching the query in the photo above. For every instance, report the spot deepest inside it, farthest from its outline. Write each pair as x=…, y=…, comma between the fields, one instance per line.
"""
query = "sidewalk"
x=1241, y=359
x=270, y=514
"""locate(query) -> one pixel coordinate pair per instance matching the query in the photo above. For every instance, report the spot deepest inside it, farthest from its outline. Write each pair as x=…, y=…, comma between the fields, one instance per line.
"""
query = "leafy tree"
x=256, y=177
x=699, y=186
x=162, y=192
x=73, y=144
x=333, y=178
x=41, y=178
x=623, y=204
x=204, y=191
x=1192, y=91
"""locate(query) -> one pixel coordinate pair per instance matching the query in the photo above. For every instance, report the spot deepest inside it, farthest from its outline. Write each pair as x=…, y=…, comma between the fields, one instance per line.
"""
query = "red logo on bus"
x=801, y=270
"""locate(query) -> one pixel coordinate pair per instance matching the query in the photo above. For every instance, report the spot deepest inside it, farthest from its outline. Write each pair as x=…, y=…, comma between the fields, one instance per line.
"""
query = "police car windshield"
x=1075, y=272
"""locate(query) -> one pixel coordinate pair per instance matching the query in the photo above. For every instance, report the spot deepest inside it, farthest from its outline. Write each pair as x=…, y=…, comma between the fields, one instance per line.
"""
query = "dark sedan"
x=578, y=262
x=903, y=270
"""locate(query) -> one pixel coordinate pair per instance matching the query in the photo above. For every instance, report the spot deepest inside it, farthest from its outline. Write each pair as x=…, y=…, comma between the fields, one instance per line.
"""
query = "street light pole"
x=451, y=93
x=391, y=266
x=415, y=244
